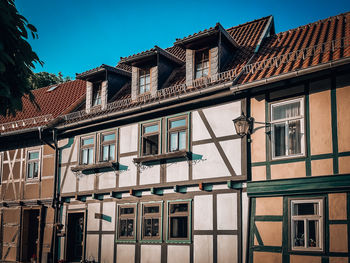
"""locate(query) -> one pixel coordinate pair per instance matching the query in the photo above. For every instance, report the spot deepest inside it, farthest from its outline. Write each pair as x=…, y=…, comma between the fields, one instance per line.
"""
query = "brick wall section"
x=214, y=61
x=104, y=94
x=88, y=96
x=134, y=83
x=154, y=80
x=189, y=67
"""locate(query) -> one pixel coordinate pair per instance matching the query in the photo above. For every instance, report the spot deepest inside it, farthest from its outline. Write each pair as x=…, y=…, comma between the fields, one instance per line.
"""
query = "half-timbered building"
x=149, y=161
x=28, y=159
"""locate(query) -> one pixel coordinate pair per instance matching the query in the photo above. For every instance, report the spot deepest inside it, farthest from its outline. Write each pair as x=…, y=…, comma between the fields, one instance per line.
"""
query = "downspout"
x=55, y=201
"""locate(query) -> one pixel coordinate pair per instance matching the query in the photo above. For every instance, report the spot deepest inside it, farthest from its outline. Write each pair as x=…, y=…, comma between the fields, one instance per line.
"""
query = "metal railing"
x=25, y=123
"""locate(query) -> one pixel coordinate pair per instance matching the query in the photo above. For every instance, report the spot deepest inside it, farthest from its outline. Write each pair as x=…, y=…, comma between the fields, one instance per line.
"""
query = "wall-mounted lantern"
x=244, y=125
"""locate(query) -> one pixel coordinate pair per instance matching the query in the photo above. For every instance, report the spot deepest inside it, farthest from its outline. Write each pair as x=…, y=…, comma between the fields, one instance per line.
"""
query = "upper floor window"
x=87, y=145
x=177, y=133
x=150, y=138
x=97, y=94
x=201, y=64
x=144, y=81
x=287, y=124
x=306, y=224
x=108, y=147
x=33, y=164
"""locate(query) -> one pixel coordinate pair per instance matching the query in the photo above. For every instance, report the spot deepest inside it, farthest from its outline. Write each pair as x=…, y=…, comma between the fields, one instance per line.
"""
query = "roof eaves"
x=101, y=68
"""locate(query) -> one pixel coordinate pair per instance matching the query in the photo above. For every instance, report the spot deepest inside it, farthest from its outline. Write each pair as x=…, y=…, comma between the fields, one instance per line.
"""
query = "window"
x=97, y=94
x=127, y=222
x=151, y=221
x=87, y=150
x=177, y=134
x=201, y=64
x=179, y=218
x=307, y=224
x=287, y=124
x=33, y=161
x=150, y=138
x=108, y=147
x=144, y=80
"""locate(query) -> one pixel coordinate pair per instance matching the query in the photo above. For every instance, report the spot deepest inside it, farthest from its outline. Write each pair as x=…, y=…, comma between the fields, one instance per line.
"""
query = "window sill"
x=161, y=157
x=98, y=167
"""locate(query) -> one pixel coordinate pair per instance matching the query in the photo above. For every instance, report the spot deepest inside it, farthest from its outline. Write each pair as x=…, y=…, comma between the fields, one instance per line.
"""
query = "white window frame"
x=319, y=217
x=145, y=73
x=31, y=161
x=81, y=148
x=102, y=143
x=301, y=117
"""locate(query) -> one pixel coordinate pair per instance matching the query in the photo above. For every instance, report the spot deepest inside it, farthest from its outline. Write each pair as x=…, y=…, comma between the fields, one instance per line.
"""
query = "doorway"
x=75, y=237
x=30, y=234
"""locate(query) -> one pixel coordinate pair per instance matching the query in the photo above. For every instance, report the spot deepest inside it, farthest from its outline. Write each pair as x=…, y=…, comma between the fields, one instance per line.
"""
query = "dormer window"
x=202, y=64
x=97, y=95
x=144, y=81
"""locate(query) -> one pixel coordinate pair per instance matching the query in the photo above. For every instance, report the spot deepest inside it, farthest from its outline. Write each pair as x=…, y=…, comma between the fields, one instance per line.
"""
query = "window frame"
x=1, y=166
x=189, y=221
x=158, y=215
x=82, y=147
x=142, y=135
x=320, y=217
x=177, y=129
x=143, y=72
x=102, y=143
x=28, y=161
x=119, y=217
x=202, y=51
x=285, y=121
x=96, y=94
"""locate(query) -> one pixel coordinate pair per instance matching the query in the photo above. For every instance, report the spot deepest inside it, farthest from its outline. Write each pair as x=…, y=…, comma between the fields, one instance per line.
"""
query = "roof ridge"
x=312, y=23
x=249, y=22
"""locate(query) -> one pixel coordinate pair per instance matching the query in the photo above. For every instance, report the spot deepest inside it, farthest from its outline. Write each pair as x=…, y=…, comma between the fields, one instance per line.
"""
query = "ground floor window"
x=151, y=221
x=306, y=224
x=179, y=220
x=126, y=222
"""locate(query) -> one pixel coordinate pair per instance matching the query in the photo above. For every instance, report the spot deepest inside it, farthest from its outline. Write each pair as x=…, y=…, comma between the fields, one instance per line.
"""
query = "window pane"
x=150, y=145
x=299, y=235
x=147, y=87
x=36, y=170
x=280, y=139
x=126, y=210
x=294, y=138
x=112, y=152
x=182, y=140
x=286, y=110
x=177, y=123
x=108, y=137
x=30, y=170
x=313, y=233
x=152, y=128
x=174, y=208
x=122, y=228
x=33, y=155
x=90, y=155
x=85, y=156
x=151, y=209
x=305, y=209
x=173, y=141
x=142, y=80
x=148, y=79
x=88, y=141
x=205, y=72
x=147, y=227
x=130, y=227
x=198, y=74
x=178, y=227
x=105, y=153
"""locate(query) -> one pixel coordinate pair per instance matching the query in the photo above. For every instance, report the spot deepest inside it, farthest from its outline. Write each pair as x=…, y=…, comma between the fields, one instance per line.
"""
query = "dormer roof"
x=207, y=35
x=150, y=56
x=93, y=73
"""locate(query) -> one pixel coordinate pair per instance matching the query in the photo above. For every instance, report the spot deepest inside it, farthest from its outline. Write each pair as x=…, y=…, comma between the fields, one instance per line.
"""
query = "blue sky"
x=77, y=35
